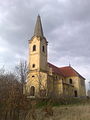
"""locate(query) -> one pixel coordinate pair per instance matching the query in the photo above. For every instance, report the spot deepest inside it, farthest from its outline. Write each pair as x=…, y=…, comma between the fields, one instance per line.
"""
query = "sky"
x=66, y=26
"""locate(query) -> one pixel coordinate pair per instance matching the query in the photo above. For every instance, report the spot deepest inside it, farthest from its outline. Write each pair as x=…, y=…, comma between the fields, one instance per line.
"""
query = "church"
x=45, y=79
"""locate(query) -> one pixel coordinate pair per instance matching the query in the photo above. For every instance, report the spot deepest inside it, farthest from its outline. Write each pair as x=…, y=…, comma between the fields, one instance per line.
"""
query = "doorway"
x=75, y=93
x=32, y=91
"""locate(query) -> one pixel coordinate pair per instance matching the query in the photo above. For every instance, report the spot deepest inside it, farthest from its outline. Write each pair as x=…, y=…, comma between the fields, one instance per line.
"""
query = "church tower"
x=38, y=49
x=37, y=73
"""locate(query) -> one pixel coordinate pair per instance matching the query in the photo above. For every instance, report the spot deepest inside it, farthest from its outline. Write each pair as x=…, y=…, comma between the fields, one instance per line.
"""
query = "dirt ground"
x=81, y=112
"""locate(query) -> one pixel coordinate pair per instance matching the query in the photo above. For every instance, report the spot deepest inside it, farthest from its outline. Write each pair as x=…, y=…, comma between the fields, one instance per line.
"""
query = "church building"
x=45, y=79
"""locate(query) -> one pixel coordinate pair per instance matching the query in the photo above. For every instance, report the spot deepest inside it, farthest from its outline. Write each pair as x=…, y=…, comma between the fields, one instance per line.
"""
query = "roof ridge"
x=65, y=67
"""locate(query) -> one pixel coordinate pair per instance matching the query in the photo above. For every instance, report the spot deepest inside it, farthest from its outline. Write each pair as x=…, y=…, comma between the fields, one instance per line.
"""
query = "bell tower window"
x=34, y=47
x=33, y=65
x=43, y=48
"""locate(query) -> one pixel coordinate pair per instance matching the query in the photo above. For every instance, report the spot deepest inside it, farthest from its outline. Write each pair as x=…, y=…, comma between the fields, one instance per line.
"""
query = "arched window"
x=43, y=48
x=34, y=47
x=70, y=81
x=33, y=65
x=32, y=91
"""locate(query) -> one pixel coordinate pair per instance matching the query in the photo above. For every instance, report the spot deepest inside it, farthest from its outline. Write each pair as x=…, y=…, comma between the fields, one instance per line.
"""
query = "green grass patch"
x=62, y=102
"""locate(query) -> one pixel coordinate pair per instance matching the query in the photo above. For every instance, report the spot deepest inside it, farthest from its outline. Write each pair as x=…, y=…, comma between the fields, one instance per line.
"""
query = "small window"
x=70, y=80
x=33, y=65
x=33, y=76
x=34, y=47
x=43, y=48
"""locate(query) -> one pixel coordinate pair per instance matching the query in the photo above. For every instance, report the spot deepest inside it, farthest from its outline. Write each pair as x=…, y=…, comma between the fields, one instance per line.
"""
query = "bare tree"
x=2, y=70
x=21, y=72
x=12, y=100
x=42, y=82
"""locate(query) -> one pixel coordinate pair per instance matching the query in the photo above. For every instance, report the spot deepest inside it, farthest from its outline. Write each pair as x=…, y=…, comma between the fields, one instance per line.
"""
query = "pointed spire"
x=38, y=31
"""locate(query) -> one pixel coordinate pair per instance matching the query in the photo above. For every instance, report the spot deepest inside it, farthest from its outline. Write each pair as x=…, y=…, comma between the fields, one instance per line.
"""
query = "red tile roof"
x=55, y=69
x=67, y=71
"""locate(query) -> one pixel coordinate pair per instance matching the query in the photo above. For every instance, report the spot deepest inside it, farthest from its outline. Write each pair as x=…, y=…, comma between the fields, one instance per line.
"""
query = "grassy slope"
x=80, y=112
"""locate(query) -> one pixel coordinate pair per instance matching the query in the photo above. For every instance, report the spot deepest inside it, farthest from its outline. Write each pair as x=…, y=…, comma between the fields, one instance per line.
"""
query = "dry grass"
x=75, y=110
x=81, y=112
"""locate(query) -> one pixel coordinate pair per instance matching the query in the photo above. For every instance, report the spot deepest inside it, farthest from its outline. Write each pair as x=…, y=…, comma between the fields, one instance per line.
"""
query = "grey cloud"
x=66, y=26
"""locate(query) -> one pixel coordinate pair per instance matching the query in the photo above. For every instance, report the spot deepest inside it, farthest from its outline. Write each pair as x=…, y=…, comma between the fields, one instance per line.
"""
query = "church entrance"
x=75, y=93
x=32, y=91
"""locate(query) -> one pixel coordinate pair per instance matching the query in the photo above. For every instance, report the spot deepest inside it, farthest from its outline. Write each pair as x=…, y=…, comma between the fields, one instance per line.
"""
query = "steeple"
x=38, y=31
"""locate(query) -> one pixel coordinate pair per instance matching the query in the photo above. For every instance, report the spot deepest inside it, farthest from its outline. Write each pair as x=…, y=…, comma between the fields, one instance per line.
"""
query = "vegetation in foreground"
x=15, y=106
x=80, y=112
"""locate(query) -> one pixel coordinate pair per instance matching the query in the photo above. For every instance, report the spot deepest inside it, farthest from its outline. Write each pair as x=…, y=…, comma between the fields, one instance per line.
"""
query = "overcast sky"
x=66, y=25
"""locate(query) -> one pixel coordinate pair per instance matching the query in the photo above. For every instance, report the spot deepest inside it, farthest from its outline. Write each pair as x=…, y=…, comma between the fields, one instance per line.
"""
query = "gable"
x=67, y=71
